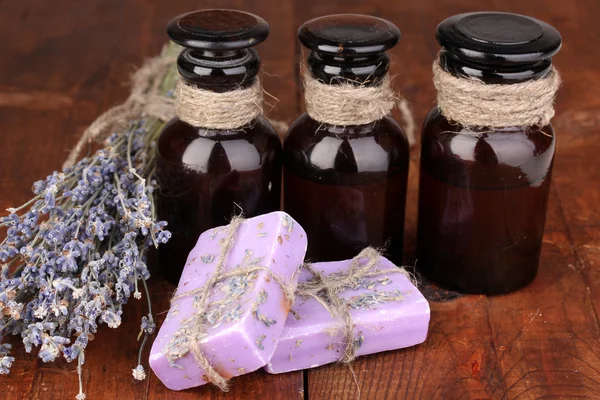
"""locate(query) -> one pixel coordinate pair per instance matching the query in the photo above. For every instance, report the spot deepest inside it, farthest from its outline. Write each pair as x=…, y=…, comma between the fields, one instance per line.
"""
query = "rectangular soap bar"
x=388, y=311
x=246, y=313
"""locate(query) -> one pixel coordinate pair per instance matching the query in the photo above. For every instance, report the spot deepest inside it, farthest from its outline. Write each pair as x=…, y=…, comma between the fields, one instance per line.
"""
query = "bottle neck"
x=493, y=71
x=367, y=70
x=219, y=71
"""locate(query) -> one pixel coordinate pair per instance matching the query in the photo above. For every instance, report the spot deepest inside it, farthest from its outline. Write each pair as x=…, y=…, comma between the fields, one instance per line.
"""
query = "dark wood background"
x=64, y=62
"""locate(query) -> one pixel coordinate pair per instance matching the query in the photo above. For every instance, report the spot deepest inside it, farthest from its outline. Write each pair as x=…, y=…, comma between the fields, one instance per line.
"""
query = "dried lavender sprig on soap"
x=76, y=251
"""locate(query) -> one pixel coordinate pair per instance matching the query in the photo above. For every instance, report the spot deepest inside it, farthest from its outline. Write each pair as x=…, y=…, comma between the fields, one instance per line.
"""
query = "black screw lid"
x=350, y=46
x=219, y=42
x=497, y=45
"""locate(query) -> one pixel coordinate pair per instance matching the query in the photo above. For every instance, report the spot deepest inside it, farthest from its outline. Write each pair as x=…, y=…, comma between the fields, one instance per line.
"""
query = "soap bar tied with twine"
x=193, y=329
x=353, y=103
x=326, y=290
x=474, y=103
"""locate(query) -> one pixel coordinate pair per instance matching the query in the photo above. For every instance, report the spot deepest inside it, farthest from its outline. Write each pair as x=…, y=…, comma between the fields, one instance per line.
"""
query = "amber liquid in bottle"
x=482, y=204
x=347, y=186
x=483, y=191
x=206, y=177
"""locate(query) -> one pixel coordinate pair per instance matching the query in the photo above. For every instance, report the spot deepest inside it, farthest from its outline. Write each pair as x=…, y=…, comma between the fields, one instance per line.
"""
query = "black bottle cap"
x=348, y=46
x=218, y=46
x=349, y=34
x=497, y=46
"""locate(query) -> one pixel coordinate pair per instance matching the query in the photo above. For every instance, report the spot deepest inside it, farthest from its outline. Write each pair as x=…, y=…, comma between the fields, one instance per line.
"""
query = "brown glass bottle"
x=347, y=185
x=483, y=192
x=205, y=176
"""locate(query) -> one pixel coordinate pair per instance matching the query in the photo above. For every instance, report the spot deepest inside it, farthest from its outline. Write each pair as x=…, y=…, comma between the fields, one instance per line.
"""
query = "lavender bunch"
x=76, y=252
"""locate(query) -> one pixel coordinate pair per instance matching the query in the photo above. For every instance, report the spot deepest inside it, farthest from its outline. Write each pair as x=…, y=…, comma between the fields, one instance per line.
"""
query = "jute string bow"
x=352, y=104
x=473, y=103
x=326, y=290
x=194, y=327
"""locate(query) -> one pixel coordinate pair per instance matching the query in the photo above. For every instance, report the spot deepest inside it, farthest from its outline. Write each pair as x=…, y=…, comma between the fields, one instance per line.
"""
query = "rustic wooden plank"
x=546, y=335
x=458, y=357
x=57, y=86
x=65, y=62
x=549, y=332
x=66, y=59
x=69, y=63
x=540, y=341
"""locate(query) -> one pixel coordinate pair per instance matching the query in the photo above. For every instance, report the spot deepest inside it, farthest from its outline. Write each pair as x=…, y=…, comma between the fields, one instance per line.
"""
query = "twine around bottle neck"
x=345, y=104
x=218, y=110
x=473, y=103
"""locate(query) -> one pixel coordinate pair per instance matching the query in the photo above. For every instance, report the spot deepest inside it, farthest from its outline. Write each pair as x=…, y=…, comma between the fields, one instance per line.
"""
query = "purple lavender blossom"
x=75, y=253
x=5, y=360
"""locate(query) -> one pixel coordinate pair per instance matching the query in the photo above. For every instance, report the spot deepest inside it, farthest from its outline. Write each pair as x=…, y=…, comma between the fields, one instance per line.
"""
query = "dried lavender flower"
x=138, y=373
x=76, y=252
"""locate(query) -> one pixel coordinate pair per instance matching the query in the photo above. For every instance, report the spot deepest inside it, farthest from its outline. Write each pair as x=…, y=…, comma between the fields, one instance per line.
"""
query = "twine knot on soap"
x=350, y=103
x=474, y=103
x=187, y=337
x=218, y=110
x=326, y=290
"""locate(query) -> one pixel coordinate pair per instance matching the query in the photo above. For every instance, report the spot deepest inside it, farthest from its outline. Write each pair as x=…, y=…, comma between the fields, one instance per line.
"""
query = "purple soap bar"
x=387, y=310
x=239, y=330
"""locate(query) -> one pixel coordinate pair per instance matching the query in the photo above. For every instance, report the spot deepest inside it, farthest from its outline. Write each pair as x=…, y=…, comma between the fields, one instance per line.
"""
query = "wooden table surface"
x=64, y=62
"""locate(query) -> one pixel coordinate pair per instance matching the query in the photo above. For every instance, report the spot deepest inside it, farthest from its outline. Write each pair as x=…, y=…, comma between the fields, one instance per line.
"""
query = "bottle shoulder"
x=518, y=153
x=306, y=127
x=376, y=147
x=176, y=129
x=198, y=148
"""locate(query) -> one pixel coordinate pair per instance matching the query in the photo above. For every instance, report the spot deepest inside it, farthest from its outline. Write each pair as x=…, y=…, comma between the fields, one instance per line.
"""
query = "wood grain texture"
x=62, y=63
